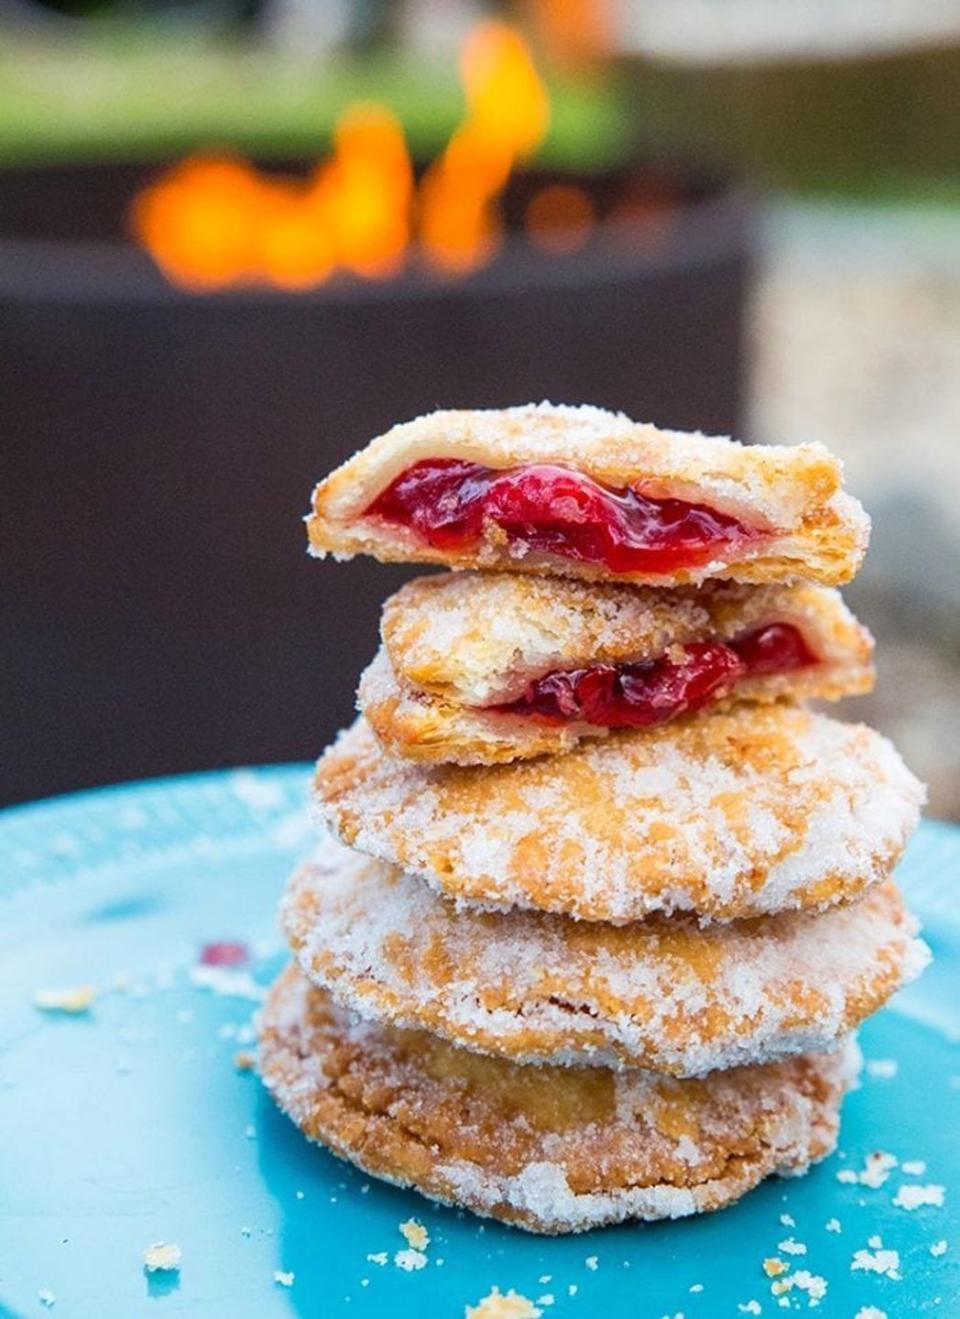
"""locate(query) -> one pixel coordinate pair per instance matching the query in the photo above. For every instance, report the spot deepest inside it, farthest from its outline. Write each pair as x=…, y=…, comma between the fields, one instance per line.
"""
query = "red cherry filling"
x=641, y=695
x=556, y=510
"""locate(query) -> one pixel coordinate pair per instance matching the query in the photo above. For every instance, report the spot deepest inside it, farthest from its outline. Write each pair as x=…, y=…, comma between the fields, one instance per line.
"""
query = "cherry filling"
x=557, y=510
x=641, y=695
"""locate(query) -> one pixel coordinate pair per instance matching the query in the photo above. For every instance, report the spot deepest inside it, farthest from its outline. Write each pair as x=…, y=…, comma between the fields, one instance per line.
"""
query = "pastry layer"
x=762, y=809
x=789, y=517
x=660, y=994
x=550, y=1149
x=459, y=647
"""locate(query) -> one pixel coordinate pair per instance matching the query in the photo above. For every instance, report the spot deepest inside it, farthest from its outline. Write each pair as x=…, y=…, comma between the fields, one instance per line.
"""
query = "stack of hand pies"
x=606, y=900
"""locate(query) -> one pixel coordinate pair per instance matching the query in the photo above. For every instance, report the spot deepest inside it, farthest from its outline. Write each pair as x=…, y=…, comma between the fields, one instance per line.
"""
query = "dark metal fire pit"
x=160, y=611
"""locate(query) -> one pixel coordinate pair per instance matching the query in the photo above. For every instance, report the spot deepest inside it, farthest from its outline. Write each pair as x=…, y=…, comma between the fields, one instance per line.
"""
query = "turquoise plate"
x=130, y=1124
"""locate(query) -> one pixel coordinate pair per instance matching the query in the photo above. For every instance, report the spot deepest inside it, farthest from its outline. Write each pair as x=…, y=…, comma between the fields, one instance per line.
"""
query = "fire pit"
x=163, y=614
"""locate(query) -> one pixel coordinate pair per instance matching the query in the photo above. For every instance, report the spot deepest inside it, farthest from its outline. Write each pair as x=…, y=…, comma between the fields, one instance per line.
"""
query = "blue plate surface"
x=130, y=1124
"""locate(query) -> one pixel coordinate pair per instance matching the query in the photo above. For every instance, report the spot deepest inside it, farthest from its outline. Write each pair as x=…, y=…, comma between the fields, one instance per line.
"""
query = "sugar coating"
x=550, y=1149
x=662, y=994
x=731, y=814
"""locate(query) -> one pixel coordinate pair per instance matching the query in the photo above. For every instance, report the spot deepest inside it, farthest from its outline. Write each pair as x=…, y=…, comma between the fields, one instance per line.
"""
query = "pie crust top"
x=731, y=814
x=661, y=994
x=813, y=529
x=550, y=1149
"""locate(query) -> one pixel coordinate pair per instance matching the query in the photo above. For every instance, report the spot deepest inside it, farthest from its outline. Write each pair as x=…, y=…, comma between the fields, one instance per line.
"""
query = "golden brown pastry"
x=586, y=493
x=550, y=1149
x=480, y=668
x=762, y=809
x=661, y=994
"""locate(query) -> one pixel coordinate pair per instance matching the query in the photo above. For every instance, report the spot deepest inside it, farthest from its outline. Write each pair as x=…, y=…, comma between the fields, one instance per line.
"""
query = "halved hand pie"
x=485, y=667
x=661, y=994
x=761, y=809
x=552, y=1149
x=582, y=492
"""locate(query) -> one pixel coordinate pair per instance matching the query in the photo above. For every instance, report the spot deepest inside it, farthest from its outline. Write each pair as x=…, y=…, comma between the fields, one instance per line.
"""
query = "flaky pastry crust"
x=549, y=1149
x=661, y=994
x=813, y=529
x=459, y=642
x=762, y=809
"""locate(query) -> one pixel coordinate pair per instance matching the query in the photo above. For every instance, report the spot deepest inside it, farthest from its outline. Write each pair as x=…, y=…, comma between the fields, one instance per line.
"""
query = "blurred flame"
x=212, y=221
x=507, y=117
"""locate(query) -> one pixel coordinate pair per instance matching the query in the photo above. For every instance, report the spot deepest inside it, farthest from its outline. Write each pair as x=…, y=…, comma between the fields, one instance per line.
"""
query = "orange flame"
x=507, y=117
x=210, y=222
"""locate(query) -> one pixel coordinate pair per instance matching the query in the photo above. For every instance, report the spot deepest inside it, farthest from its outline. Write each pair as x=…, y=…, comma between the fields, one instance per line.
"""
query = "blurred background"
x=240, y=237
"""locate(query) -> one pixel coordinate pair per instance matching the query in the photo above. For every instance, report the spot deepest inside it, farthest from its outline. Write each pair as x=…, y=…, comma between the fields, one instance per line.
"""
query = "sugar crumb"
x=592, y=1263
x=750, y=1307
x=162, y=1257
x=789, y=1246
x=787, y=1220
x=884, y=1069
x=833, y=1225
x=283, y=1279
x=410, y=1260
x=938, y=1248
x=380, y=1258
x=870, y=1312
x=916, y=1197
x=913, y=1167
x=884, y=1262
x=46, y=1298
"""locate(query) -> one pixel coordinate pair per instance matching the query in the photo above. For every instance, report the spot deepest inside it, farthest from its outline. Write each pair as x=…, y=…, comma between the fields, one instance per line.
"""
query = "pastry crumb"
x=913, y=1167
x=415, y=1234
x=497, y=1305
x=379, y=1258
x=773, y=1267
x=870, y=1312
x=74, y=1001
x=162, y=1257
x=244, y=1060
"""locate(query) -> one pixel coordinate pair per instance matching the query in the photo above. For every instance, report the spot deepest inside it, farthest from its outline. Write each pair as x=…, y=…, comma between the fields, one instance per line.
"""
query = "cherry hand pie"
x=480, y=668
x=662, y=994
x=577, y=491
x=552, y=1149
x=760, y=809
